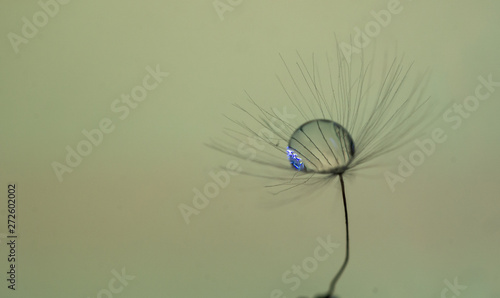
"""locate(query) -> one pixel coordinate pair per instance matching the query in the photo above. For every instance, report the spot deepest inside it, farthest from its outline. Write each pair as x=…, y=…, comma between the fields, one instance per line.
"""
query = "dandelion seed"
x=344, y=116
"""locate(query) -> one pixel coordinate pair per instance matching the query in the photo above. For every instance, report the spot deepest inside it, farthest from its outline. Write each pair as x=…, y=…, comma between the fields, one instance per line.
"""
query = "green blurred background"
x=119, y=208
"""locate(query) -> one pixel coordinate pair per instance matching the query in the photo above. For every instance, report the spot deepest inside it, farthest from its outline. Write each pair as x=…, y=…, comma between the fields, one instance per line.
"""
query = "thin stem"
x=337, y=277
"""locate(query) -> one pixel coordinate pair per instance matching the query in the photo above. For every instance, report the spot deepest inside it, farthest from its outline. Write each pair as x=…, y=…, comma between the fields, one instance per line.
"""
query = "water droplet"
x=321, y=146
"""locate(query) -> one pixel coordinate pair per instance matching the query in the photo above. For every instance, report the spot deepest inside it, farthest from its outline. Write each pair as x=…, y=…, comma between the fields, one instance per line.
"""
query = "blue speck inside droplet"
x=295, y=160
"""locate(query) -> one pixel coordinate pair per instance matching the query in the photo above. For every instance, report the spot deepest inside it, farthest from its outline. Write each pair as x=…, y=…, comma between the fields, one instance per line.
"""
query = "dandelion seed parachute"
x=373, y=102
x=343, y=118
